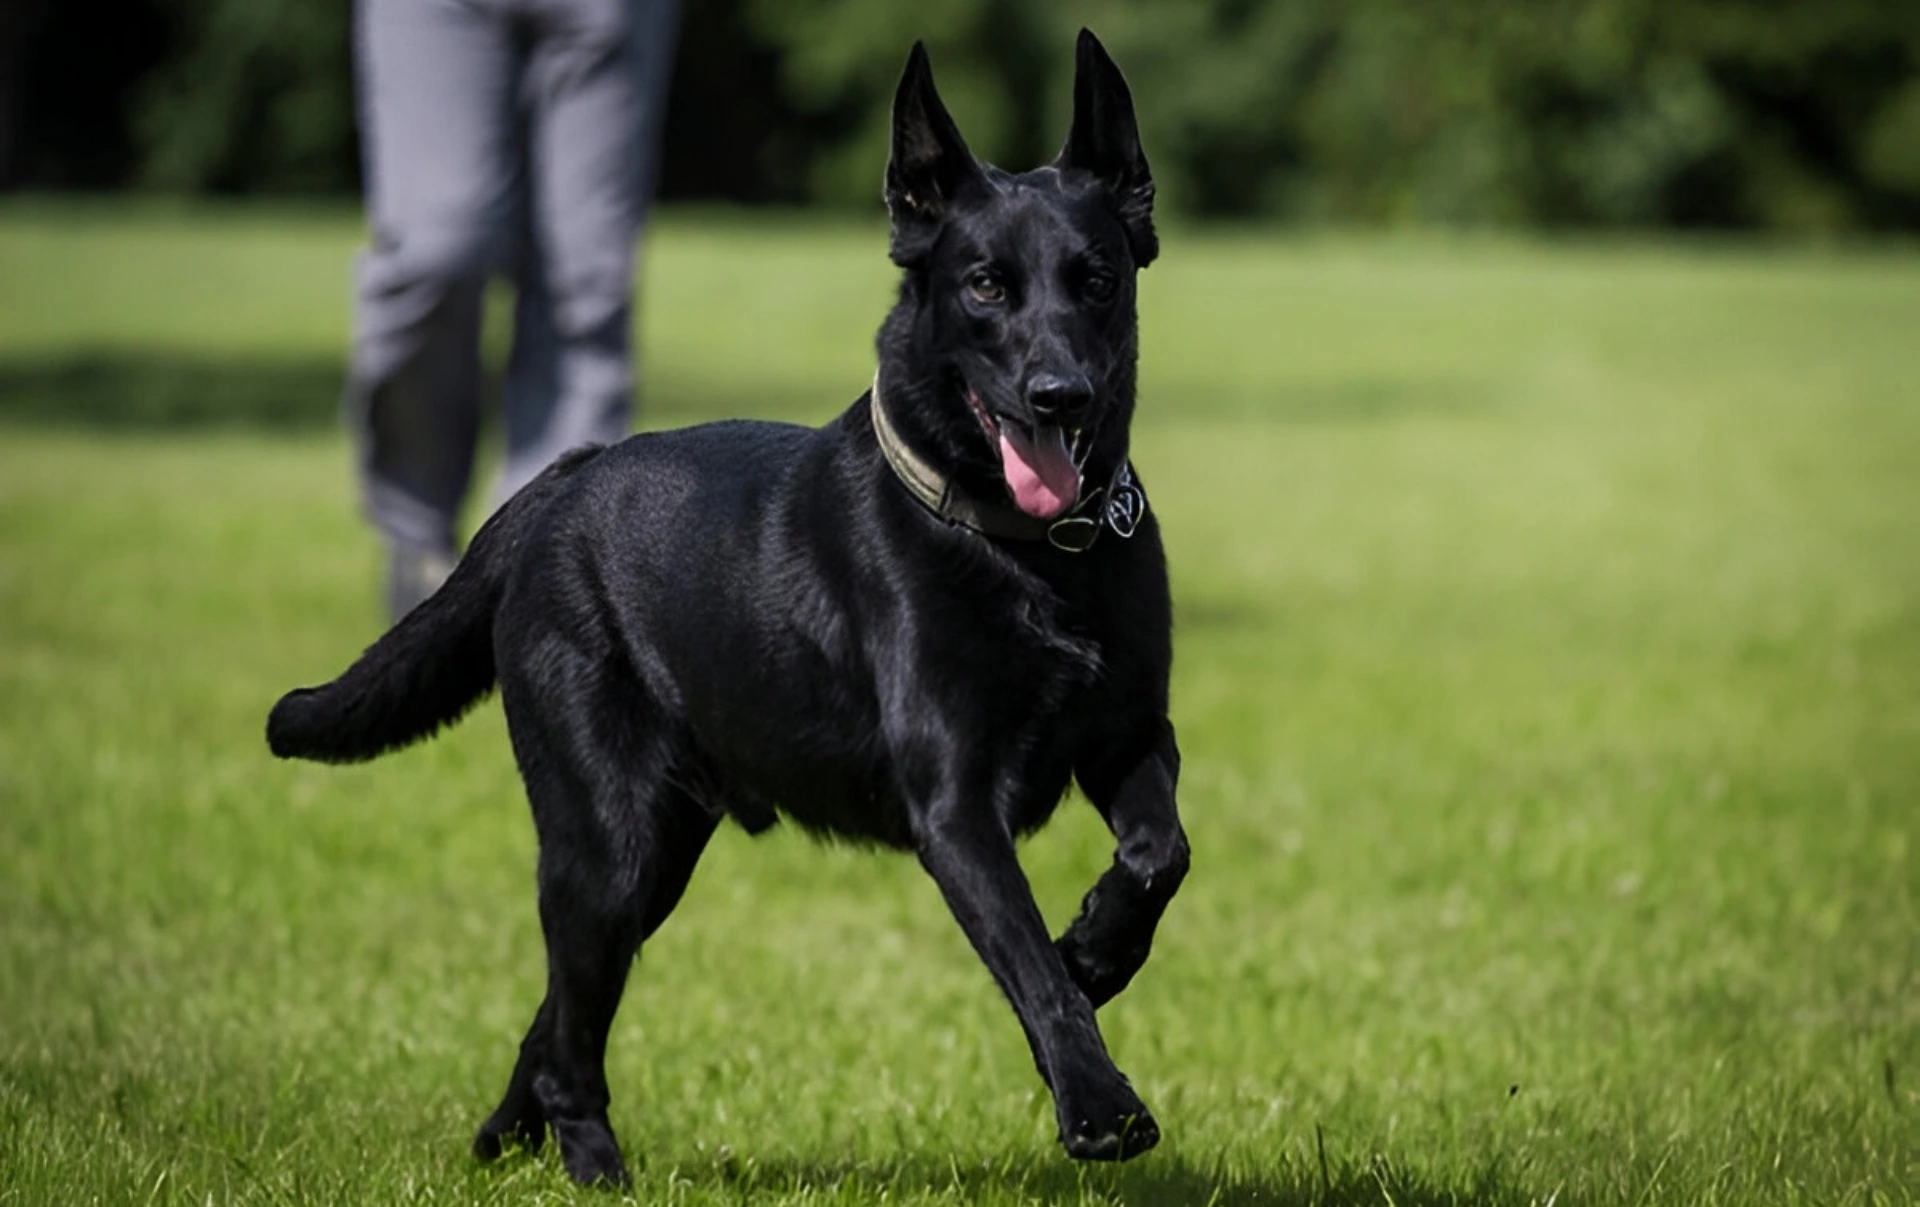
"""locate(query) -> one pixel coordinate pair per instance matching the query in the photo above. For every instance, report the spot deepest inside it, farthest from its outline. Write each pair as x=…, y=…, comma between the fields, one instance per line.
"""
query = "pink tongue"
x=1039, y=470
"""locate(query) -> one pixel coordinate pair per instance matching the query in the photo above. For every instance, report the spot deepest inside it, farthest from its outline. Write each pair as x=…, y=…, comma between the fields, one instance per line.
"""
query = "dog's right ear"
x=1106, y=142
x=929, y=165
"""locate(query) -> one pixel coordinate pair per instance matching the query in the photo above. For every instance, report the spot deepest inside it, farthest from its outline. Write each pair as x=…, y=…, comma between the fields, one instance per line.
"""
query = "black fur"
x=754, y=620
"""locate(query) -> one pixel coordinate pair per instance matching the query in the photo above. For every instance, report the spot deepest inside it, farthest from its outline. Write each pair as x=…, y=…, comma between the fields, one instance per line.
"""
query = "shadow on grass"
x=166, y=392
x=1152, y=1181
x=135, y=391
x=160, y=392
x=1147, y=1182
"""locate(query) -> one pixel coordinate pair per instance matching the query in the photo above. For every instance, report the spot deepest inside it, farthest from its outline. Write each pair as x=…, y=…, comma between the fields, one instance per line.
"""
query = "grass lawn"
x=1548, y=672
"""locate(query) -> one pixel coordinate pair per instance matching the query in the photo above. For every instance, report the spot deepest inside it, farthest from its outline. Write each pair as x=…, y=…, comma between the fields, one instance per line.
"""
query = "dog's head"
x=1011, y=354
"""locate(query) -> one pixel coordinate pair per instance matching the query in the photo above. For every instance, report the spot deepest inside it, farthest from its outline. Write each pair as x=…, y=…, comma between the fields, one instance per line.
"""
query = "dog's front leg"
x=971, y=857
x=1133, y=790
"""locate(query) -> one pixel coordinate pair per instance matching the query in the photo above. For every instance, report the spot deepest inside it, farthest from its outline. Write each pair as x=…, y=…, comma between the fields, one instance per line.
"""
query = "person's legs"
x=437, y=83
x=532, y=382
x=596, y=83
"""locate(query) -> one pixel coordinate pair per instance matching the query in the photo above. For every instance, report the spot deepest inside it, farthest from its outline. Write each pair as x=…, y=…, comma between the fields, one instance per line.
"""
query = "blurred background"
x=1792, y=116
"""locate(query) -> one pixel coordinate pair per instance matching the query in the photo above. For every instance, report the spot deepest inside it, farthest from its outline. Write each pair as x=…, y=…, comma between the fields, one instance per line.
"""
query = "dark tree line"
x=1768, y=114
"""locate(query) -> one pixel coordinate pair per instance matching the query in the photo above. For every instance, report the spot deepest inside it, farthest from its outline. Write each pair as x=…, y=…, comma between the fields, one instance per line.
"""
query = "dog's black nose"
x=1059, y=397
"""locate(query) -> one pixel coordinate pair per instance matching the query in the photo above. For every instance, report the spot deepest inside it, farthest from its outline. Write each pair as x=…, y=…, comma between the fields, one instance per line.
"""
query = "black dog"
x=913, y=626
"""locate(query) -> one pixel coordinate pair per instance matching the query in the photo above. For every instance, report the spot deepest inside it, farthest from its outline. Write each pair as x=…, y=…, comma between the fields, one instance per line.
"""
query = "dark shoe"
x=412, y=575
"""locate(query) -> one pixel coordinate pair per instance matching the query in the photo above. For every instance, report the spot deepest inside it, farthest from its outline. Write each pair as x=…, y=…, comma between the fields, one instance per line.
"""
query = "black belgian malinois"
x=914, y=626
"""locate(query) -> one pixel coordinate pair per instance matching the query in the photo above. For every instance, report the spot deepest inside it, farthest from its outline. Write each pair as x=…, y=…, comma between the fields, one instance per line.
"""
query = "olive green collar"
x=1119, y=505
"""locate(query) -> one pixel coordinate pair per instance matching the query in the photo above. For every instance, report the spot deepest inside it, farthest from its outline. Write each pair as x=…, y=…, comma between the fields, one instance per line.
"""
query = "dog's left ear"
x=1106, y=142
x=929, y=165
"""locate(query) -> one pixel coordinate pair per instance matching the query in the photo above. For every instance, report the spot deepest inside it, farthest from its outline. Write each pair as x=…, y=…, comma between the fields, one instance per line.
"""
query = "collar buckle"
x=1074, y=533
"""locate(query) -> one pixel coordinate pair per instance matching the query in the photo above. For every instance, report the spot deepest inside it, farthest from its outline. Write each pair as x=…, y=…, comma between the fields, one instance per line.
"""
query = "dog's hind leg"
x=518, y=1119
x=618, y=844
x=595, y=920
x=1133, y=790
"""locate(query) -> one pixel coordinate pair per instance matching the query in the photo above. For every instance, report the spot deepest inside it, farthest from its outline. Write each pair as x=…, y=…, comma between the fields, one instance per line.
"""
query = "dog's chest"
x=987, y=698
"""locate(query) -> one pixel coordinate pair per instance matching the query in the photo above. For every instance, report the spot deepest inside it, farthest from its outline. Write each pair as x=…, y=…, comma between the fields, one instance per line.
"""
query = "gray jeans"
x=501, y=136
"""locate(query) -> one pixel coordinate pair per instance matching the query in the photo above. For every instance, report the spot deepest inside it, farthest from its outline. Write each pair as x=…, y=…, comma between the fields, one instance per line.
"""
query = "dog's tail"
x=432, y=666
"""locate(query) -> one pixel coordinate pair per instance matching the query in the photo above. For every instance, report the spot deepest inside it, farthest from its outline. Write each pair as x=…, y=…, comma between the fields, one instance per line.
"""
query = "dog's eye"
x=1097, y=287
x=986, y=288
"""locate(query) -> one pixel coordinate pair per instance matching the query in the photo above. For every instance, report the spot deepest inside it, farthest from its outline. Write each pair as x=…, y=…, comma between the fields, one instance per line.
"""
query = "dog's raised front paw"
x=1100, y=975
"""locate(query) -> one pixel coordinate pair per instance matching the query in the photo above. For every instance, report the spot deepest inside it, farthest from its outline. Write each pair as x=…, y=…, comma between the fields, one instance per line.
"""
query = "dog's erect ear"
x=930, y=162
x=1106, y=142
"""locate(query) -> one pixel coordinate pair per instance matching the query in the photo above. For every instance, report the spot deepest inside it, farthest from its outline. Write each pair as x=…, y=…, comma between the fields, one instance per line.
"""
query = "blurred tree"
x=259, y=99
x=1579, y=112
x=65, y=92
x=731, y=134
x=1775, y=114
x=994, y=60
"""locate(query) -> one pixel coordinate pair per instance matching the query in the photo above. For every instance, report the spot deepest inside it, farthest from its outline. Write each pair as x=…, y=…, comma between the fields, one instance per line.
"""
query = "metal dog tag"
x=1125, y=505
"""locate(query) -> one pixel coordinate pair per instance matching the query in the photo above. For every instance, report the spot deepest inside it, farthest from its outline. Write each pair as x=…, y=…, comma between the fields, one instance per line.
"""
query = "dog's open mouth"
x=1037, y=462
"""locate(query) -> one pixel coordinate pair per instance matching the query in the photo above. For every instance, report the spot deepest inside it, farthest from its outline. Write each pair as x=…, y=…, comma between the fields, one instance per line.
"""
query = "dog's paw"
x=1127, y=1139
x=1100, y=977
x=591, y=1154
x=1112, y=1126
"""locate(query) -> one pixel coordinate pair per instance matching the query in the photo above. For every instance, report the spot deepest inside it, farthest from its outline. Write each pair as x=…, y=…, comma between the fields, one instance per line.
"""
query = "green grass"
x=1548, y=675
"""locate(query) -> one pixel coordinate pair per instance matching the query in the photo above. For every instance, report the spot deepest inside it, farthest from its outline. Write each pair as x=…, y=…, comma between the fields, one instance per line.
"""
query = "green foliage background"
x=1797, y=115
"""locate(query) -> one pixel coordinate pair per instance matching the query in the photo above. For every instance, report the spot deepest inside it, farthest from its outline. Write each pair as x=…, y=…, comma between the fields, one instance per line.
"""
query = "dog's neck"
x=1119, y=505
